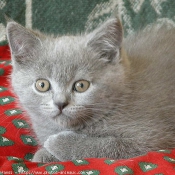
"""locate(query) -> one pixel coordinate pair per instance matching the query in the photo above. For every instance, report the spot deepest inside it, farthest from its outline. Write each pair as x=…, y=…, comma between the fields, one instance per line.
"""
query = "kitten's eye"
x=81, y=86
x=42, y=85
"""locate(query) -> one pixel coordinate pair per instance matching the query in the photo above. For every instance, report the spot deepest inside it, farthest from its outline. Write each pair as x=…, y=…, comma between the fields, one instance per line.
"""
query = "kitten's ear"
x=106, y=40
x=22, y=41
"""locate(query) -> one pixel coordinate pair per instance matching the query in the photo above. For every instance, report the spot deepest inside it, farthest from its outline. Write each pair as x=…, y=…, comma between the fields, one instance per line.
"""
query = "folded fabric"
x=18, y=144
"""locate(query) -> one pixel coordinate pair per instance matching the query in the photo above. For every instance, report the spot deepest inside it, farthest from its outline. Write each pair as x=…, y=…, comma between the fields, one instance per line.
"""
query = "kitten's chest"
x=45, y=129
x=97, y=129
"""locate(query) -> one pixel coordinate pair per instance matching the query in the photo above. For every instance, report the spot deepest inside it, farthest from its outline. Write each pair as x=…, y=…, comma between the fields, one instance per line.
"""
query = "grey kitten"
x=96, y=95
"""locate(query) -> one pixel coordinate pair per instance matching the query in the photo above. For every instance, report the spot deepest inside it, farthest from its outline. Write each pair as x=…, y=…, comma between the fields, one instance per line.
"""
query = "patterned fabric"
x=15, y=132
x=65, y=16
x=17, y=145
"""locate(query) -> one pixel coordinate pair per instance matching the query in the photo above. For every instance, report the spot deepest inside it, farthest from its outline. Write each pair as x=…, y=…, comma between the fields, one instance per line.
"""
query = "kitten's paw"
x=61, y=145
x=42, y=155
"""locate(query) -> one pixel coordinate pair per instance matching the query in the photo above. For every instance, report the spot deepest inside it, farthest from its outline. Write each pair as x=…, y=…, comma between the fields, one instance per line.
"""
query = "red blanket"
x=18, y=144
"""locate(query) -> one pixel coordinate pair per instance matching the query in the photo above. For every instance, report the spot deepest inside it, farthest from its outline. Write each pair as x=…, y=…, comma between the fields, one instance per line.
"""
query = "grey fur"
x=129, y=107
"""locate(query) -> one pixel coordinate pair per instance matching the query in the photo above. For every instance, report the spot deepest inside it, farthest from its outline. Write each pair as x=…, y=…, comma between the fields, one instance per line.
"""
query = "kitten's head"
x=70, y=80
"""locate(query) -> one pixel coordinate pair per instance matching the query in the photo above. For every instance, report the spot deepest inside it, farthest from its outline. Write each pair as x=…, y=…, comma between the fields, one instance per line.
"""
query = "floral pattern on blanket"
x=60, y=17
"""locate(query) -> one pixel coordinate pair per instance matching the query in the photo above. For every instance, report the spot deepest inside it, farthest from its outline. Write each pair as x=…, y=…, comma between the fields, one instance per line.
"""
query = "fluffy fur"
x=129, y=106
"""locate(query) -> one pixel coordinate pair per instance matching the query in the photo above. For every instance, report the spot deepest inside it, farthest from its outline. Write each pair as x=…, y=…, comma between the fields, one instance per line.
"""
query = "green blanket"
x=74, y=16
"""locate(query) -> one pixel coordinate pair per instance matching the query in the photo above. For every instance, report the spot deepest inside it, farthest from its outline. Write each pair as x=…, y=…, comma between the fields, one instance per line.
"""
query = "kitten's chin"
x=67, y=122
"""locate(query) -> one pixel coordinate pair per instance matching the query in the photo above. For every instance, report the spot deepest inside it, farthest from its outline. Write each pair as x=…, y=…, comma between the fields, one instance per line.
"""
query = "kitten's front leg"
x=62, y=145
x=70, y=145
x=42, y=155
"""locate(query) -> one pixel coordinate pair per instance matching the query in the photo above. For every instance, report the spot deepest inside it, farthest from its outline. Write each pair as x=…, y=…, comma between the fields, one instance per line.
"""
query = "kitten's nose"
x=61, y=106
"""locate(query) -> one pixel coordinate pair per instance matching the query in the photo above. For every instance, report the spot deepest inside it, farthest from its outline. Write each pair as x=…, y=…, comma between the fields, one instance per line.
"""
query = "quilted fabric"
x=18, y=144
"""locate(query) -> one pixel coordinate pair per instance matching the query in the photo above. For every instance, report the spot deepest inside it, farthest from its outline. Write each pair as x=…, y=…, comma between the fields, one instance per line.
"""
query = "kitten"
x=96, y=95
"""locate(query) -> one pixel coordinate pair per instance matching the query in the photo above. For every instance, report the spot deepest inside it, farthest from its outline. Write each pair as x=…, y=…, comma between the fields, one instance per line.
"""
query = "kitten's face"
x=65, y=80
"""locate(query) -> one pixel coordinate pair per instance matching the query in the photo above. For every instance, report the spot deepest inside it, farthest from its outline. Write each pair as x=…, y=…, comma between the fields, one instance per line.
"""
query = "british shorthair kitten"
x=97, y=94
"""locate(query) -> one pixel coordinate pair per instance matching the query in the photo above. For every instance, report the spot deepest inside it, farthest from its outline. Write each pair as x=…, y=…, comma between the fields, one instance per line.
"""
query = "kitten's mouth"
x=73, y=118
x=60, y=115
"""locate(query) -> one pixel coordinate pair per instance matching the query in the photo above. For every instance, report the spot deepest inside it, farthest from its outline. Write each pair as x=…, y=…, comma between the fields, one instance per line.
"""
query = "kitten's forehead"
x=66, y=58
x=66, y=50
